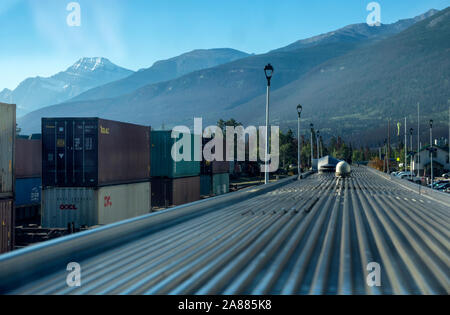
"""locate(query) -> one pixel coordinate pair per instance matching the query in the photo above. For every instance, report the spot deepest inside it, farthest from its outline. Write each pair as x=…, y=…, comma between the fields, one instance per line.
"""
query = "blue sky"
x=36, y=40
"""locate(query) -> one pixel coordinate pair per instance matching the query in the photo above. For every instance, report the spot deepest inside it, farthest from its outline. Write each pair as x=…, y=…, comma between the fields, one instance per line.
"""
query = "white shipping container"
x=7, y=150
x=94, y=206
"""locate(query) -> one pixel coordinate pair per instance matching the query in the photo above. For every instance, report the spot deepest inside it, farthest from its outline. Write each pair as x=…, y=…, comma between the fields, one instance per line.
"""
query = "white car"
x=403, y=175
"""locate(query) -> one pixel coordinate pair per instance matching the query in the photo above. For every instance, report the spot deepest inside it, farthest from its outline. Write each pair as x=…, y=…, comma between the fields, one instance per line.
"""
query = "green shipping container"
x=205, y=185
x=221, y=184
x=162, y=164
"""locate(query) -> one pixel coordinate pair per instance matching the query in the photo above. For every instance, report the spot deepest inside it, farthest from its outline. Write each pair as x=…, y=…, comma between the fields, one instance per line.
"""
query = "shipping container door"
x=69, y=152
x=85, y=153
x=49, y=174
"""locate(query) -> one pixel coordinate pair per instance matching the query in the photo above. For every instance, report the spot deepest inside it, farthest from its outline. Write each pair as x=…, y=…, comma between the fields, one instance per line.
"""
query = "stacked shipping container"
x=28, y=169
x=215, y=175
x=7, y=143
x=174, y=183
x=94, y=171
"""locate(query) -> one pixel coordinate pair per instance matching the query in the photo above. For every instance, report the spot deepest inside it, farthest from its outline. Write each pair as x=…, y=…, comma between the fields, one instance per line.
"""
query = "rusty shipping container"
x=86, y=206
x=28, y=158
x=168, y=192
x=7, y=143
x=6, y=225
x=93, y=152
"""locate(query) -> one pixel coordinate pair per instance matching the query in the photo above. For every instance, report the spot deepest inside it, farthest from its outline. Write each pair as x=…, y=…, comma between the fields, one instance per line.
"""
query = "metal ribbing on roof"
x=314, y=236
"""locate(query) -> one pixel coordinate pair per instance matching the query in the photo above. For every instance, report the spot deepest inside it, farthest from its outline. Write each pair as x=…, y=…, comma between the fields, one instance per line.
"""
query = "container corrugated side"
x=186, y=190
x=175, y=191
x=28, y=158
x=61, y=206
x=121, y=202
x=205, y=185
x=28, y=191
x=123, y=152
x=163, y=165
x=94, y=206
x=221, y=184
x=6, y=225
x=7, y=149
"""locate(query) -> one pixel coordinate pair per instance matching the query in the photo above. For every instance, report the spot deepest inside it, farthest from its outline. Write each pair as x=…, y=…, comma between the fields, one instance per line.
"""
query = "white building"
x=441, y=162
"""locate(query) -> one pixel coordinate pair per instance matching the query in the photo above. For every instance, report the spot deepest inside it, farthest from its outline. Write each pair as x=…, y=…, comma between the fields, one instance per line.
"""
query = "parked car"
x=437, y=183
x=443, y=186
x=446, y=175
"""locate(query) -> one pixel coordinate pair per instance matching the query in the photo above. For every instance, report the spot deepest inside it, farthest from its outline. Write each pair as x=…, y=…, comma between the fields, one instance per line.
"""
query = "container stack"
x=215, y=175
x=28, y=170
x=94, y=172
x=7, y=144
x=173, y=183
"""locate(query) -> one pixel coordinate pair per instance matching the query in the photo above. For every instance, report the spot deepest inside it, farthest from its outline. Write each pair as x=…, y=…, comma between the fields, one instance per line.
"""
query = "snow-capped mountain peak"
x=85, y=74
x=90, y=64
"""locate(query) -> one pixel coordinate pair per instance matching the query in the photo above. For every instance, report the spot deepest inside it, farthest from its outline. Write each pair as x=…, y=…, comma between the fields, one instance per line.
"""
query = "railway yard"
x=318, y=235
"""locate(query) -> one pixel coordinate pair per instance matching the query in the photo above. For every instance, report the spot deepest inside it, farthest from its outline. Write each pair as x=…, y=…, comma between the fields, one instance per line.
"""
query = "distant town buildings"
x=441, y=163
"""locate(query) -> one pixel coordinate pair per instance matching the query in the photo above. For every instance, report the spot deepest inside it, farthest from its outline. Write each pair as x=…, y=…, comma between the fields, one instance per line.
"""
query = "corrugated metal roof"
x=314, y=236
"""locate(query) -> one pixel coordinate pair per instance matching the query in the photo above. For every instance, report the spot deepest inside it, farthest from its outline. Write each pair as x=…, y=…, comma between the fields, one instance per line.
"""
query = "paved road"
x=316, y=236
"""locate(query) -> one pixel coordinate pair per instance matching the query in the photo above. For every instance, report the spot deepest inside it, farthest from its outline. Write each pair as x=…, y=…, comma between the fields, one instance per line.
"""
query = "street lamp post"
x=411, y=171
x=406, y=148
x=431, y=152
x=312, y=146
x=299, y=160
x=268, y=70
x=318, y=146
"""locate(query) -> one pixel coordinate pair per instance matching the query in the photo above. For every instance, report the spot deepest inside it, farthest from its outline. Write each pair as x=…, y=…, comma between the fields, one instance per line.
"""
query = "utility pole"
x=312, y=146
x=406, y=149
x=431, y=153
x=318, y=145
x=418, y=139
x=299, y=160
x=321, y=146
x=389, y=146
x=411, y=154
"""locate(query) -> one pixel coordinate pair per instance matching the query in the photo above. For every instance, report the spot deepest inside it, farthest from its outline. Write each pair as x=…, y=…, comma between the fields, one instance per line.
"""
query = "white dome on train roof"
x=343, y=169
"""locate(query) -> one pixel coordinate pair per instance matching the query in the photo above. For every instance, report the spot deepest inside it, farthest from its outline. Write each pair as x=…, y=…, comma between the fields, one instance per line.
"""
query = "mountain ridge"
x=164, y=70
x=322, y=78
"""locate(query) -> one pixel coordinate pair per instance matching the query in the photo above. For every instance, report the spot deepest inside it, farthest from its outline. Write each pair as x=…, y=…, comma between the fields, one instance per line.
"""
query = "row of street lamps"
x=269, y=71
x=411, y=154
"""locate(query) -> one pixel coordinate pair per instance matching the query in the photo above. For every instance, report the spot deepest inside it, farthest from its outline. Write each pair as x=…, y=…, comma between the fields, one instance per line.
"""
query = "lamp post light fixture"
x=268, y=71
x=299, y=160
x=312, y=146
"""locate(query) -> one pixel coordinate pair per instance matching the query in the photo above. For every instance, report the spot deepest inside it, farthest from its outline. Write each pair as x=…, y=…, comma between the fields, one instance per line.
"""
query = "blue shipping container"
x=28, y=191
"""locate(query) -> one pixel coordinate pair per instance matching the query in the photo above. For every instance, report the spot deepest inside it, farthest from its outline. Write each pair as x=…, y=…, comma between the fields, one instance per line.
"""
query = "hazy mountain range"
x=348, y=81
x=96, y=78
